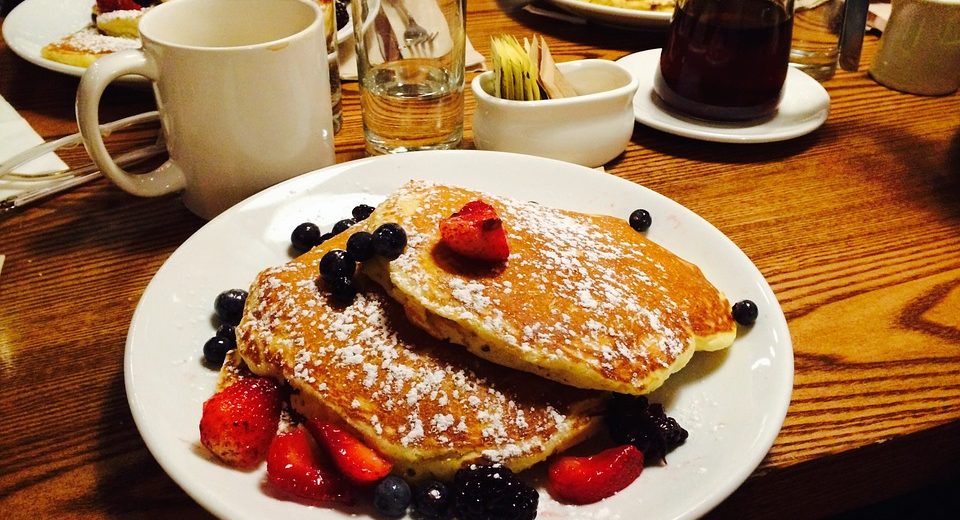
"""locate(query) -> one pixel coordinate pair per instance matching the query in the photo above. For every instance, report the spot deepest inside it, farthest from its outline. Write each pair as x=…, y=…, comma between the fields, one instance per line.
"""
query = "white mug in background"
x=243, y=91
x=919, y=49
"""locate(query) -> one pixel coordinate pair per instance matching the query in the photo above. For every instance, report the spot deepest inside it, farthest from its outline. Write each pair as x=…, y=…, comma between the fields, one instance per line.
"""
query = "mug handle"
x=166, y=178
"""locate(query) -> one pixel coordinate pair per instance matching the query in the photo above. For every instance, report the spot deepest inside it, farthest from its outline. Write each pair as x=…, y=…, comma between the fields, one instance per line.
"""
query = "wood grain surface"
x=856, y=226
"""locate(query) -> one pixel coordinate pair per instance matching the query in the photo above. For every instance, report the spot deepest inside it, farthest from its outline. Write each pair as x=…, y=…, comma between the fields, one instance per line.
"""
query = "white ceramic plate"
x=615, y=16
x=732, y=402
x=804, y=107
x=35, y=23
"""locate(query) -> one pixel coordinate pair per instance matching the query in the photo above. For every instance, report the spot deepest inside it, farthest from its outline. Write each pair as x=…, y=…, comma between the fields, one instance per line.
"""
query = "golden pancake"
x=583, y=299
x=83, y=47
x=429, y=406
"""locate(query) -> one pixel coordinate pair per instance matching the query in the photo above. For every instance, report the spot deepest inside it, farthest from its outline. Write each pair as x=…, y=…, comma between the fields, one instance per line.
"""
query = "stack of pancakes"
x=441, y=361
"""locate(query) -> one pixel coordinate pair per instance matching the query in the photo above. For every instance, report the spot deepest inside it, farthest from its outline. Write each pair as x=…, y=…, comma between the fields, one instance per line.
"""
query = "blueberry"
x=433, y=500
x=227, y=332
x=342, y=288
x=305, y=236
x=336, y=263
x=215, y=350
x=361, y=212
x=342, y=225
x=229, y=305
x=360, y=246
x=640, y=220
x=745, y=312
x=392, y=496
x=389, y=240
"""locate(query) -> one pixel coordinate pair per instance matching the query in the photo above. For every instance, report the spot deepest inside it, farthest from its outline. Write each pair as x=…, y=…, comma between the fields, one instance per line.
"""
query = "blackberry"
x=493, y=493
x=745, y=312
x=433, y=500
x=336, y=263
x=389, y=240
x=229, y=305
x=215, y=350
x=392, y=496
x=632, y=420
x=360, y=246
x=640, y=220
x=305, y=236
x=340, y=11
x=361, y=212
x=342, y=225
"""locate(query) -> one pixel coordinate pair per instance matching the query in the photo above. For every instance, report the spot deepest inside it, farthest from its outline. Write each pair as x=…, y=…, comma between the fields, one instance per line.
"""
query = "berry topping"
x=340, y=12
x=342, y=225
x=306, y=236
x=107, y=6
x=228, y=332
x=342, y=288
x=631, y=420
x=493, y=492
x=296, y=467
x=745, y=312
x=239, y=421
x=229, y=305
x=392, y=496
x=361, y=212
x=433, y=500
x=640, y=220
x=389, y=240
x=585, y=480
x=360, y=246
x=355, y=460
x=476, y=232
x=337, y=263
x=216, y=348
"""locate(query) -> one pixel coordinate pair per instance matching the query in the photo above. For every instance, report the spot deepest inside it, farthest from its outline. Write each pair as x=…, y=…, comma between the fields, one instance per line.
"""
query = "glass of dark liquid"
x=726, y=59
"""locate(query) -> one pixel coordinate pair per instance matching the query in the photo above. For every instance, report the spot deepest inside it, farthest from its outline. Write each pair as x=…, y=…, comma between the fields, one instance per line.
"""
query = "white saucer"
x=804, y=108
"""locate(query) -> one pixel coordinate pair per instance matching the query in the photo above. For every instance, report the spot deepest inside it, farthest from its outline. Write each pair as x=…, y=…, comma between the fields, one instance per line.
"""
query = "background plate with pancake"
x=732, y=402
x=35, y=23
x=615, y=16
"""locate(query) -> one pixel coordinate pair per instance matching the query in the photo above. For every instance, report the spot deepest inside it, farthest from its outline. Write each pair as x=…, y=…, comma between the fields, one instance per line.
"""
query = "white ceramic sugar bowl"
x=590, y=129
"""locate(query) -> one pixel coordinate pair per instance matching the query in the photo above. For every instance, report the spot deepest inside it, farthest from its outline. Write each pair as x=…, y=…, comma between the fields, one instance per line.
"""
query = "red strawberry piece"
x=585, y=480
x=476, y=232
x=106, y=6
x=239, y=421
x=297, y=468
x=357, y=461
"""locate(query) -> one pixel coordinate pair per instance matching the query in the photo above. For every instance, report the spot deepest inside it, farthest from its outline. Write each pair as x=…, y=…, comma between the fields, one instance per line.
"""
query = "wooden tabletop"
x=856, y=226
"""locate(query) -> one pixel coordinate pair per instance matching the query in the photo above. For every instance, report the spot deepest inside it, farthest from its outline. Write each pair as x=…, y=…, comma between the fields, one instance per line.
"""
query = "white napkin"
x=877, y=16
x=426, y=14
x=16, y=135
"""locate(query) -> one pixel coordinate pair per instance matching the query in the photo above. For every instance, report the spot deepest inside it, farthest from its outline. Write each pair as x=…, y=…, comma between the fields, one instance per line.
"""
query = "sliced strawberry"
x=239, y=421
x=106, y=6
x=585, y=480
x=296, y=467
x=476, y=232
x=357, y=461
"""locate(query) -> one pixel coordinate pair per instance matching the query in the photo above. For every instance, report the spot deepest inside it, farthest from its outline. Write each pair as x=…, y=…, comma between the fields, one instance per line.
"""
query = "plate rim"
x=616, y=16
x=316, y=178
x=796, y=79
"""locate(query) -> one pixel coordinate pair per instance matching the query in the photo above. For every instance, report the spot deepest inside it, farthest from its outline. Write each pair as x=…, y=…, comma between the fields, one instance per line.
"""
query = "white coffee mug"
x=243, y=91
x=919, y=50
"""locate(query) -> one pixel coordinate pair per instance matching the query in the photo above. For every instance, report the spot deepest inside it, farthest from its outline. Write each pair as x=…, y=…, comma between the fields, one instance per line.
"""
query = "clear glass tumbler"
x=410, y=68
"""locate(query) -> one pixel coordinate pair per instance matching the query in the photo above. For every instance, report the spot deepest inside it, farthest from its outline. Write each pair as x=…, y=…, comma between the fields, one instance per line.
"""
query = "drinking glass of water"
x=410, y=68
x=726, y=59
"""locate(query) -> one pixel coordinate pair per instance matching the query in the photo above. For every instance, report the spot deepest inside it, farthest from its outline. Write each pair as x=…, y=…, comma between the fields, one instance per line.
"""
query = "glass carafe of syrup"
x=726, y=59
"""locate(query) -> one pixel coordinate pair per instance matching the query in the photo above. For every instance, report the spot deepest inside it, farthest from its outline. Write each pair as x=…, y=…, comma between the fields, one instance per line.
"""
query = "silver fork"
x=414, y=34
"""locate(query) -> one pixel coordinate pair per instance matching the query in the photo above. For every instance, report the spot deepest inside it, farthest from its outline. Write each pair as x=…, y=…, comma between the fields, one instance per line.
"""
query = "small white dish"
x=35, y=23
x=616, y=16
x=589, y=129
x=804, y=107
